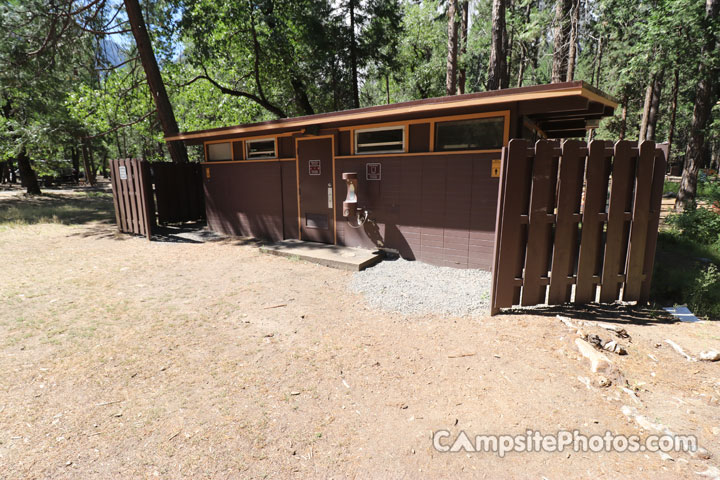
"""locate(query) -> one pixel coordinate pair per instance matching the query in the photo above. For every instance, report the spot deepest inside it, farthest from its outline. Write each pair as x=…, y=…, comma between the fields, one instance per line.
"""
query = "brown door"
x=317, y=219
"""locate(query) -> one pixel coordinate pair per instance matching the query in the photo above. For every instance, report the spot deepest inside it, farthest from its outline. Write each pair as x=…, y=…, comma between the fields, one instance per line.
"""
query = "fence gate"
x=146, y=194
x=576, y=223
x=132, y=194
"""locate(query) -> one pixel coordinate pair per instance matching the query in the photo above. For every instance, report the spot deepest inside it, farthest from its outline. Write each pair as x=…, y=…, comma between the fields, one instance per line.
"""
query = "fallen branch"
x=679, y=350
x=461, y=355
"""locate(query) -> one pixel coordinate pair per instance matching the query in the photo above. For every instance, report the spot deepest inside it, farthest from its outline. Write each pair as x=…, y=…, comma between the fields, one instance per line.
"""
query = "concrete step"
x=335, y=256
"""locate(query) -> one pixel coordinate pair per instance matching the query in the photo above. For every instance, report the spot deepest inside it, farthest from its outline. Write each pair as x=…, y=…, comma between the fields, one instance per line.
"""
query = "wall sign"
x=495, y=169
x=123, y=172
x=373, y=171
x=314, y=167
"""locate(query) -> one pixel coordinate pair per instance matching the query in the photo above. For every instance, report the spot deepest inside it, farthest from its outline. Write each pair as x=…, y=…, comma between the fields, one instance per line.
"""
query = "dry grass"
x=122, y=358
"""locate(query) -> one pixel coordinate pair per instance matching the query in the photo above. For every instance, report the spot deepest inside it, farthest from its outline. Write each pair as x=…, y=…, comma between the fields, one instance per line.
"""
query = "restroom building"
x=427, y=170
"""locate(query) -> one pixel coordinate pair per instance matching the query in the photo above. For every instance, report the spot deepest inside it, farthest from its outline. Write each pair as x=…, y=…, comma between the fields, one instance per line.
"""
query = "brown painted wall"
x=248, y=199
x=438, y=209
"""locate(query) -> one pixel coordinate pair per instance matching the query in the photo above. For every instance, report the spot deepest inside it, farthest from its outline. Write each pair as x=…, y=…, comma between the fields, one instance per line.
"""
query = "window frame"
x=401, y=127
x=257, y=140
x=436, y=123
x=207, y=150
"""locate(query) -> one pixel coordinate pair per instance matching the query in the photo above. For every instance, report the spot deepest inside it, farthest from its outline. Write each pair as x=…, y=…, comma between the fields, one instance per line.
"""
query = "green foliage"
x=704, y=296
x=686, y=273
x=701, y=225
x=671, y=187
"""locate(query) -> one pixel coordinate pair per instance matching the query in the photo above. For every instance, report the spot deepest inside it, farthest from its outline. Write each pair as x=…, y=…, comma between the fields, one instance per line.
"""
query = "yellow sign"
x=495, y=171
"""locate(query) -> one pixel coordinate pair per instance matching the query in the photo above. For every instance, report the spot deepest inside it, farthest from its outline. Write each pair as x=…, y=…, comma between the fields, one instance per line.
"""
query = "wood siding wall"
x=254, y=199
x=438, y=209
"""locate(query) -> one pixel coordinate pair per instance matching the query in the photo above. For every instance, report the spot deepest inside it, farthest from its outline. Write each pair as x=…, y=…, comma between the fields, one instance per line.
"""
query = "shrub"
x=700, y=225
x=704, y=296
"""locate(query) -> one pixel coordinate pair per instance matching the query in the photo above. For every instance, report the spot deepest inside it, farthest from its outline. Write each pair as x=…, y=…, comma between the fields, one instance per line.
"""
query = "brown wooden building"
x=427, y=170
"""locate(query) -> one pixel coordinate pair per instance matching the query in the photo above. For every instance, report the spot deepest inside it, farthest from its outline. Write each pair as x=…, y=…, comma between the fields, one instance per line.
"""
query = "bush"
x=704, y=297
x=709, y=190
x=700, y=225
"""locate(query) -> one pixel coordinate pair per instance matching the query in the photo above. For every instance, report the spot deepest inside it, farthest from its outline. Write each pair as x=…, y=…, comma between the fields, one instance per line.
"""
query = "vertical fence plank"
x=540, y=229
x=127, y=225
x=139, y=201
x=565, y=248
x=593, y=220
x=132, y=178
x=661, y=156
x=637, y=242
x=148, y=206
x=623, y=180
x=113, y=180
x=149, y=195
x=510, y=234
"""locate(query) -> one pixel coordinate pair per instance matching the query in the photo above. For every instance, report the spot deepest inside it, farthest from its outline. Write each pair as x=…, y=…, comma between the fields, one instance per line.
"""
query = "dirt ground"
x=123, y=358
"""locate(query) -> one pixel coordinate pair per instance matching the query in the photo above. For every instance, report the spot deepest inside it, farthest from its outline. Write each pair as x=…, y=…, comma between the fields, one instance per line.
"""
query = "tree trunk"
x=646, y=110
x=11, y=171
x=705, y=96
x=104, y=166
x=561, y=32
x=508, y=42
x=89, y=174
x=521, y=71
x=601, y=44
x=572, y=50
x=452, y=48
x=498, y=54
x=177, y=150
x=27, y=174
x=654, y=107
x=522, y=63
x=75, y=155
x=462, y=72
x=504, y=65
x=623, y=117
x=673, y=113
x=301, y=97
x=387, y=87
x=353, y=57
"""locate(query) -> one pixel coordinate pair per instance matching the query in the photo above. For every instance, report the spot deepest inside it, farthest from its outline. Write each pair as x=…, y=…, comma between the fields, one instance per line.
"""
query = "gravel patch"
x=418, y=288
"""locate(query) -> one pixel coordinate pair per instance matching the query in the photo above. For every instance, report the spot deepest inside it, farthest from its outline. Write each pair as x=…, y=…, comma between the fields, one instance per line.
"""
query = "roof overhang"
x=567, y=90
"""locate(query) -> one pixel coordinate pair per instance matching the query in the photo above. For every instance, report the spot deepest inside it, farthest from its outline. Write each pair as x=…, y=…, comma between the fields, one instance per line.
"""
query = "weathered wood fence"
x=178, y=192
x=573, y=219
x=132, y=195
x=150, y=194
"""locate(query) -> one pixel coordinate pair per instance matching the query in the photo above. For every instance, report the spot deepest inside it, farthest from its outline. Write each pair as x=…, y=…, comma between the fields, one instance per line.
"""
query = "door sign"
x=372, y=171
x=314, y=167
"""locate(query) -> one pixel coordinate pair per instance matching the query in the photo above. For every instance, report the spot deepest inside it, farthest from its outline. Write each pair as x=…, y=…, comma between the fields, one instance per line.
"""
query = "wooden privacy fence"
x=132, y=195
x=147, y=195
x=178, y=192
x=570, y=215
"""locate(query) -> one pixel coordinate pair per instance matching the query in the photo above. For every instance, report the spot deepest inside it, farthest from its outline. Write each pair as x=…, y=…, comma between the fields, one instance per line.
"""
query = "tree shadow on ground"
x=69, y=209
x=610, y=313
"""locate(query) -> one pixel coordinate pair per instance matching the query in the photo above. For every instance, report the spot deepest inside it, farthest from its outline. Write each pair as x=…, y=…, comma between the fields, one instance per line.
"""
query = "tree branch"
x=113, y=67
x=121, y=125
x=240, y=93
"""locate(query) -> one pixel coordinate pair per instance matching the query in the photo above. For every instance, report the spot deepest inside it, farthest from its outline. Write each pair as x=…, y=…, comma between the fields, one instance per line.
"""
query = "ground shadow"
x=66, y=208
x=610, y=313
